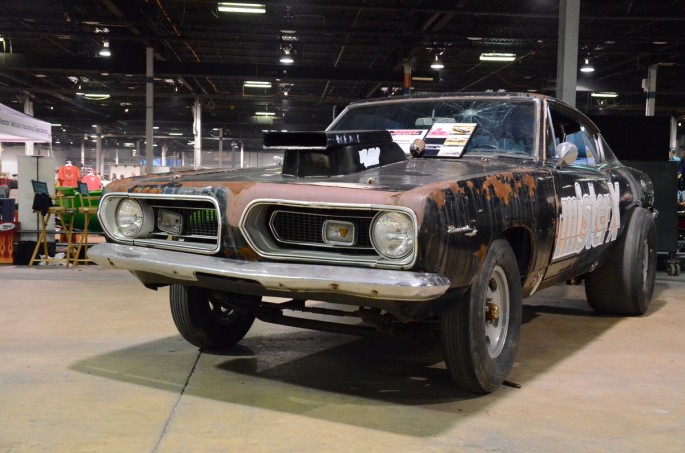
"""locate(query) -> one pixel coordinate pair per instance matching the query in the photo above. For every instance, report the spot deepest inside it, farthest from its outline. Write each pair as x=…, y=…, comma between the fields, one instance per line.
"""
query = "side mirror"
x=567, y=153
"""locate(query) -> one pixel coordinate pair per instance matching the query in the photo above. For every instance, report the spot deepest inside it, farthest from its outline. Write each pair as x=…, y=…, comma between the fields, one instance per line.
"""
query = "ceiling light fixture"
x=256, y=84
x=249, y=8
x=606, y=94
x=437, y=63
x=587, y=67
x=105, y=52
x=496, y=56
x=287, y=54
x=265, y=113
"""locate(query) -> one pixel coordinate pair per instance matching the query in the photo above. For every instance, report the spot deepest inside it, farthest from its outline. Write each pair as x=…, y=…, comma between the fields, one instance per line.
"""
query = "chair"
x=58, y=206
x=89, y=207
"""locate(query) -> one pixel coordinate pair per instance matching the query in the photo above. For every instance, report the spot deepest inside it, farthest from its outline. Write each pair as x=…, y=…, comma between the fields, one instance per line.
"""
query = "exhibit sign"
x=18, y=127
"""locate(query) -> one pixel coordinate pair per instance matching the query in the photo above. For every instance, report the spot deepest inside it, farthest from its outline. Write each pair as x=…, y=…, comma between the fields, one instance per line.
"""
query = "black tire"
x=479, y=341
x=624, y=285
x=205, y=324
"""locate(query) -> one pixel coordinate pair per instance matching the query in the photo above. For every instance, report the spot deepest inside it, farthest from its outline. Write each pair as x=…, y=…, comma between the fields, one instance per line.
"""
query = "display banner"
x=18, y=127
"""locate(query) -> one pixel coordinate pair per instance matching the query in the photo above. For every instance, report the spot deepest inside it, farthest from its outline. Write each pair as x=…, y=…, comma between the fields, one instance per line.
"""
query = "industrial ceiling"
x=343, y=51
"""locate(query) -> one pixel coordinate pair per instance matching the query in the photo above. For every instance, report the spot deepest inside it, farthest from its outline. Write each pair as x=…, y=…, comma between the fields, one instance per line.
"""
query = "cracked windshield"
x=451, y=128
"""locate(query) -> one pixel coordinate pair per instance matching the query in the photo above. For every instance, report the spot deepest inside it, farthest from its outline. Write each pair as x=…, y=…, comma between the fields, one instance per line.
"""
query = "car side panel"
x=462, y=219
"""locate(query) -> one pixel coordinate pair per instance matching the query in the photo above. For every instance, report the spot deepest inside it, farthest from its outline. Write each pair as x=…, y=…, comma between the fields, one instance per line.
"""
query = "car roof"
x=457, y=95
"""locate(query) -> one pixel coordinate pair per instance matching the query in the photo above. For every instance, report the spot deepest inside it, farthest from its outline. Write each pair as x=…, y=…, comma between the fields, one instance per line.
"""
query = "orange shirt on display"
x=68, y=176
x=92, y=181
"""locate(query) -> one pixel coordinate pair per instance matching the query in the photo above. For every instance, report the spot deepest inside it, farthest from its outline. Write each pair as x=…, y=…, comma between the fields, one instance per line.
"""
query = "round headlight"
x=129, y=217
x=393, y=234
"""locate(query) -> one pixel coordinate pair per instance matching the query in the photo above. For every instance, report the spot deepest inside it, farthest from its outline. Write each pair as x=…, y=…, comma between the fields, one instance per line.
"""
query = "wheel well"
x=520, y=242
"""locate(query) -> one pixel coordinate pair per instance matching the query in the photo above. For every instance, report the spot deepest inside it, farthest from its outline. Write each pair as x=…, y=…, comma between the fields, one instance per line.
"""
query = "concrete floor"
x=91, y=361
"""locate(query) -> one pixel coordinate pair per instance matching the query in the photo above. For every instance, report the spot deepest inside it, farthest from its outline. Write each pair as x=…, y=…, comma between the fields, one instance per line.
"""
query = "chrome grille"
x=197, y=221
x=199, y=214
x=305, y=228
x=286, y=230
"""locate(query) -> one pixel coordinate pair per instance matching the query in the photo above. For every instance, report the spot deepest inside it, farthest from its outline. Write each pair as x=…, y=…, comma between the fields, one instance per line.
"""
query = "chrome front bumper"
x=289, y=278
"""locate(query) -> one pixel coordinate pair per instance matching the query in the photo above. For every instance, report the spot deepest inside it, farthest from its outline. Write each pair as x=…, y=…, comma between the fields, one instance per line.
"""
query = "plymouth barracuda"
x=419, y=214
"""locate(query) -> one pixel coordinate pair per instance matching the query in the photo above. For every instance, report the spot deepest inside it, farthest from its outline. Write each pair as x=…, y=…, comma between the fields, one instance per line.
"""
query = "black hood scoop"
x=333, y=153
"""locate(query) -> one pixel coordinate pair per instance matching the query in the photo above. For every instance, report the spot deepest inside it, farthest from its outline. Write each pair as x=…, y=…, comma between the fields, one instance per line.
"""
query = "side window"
x=568, y=128
x=587, y=151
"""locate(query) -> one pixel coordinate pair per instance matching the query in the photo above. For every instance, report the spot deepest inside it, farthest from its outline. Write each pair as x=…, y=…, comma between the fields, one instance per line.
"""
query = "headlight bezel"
x=407, y=222
x=144, y=226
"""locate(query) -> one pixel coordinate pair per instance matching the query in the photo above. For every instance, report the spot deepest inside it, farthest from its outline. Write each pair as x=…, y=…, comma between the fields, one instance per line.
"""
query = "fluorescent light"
x=250, y=8
x=55, y=125
x=256, y=84
x=607, y=94
x=265, y=113
x=176, y=133
x=96, y=96
x=497, y=56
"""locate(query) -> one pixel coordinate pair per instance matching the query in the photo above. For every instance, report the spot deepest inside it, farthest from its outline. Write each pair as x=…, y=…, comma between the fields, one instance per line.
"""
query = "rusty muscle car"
x=420, y=213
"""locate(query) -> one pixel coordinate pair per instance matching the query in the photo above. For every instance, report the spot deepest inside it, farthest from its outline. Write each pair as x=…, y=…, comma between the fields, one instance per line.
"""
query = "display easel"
x=89, y=208
x=64, y=208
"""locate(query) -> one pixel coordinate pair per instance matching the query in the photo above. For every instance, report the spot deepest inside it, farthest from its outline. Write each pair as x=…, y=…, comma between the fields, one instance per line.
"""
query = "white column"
x=650, y=88
x=197, y=133
x=165, y=148
x=28, y=109
x=149, y=110
x=221, y=147
x=567, y=53
x=98, y=150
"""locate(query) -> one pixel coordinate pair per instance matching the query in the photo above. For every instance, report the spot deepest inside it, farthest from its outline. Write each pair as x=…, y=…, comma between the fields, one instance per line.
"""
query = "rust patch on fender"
x=529, y=182
x=501, y=186
x=247, y=253
x=481, y=252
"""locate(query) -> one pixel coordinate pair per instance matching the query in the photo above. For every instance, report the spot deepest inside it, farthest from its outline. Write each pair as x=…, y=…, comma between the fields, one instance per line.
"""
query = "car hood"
x=396, y=177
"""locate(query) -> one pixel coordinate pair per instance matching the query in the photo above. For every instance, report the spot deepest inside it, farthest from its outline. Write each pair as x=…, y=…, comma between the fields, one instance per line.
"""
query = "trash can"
x=7, y=232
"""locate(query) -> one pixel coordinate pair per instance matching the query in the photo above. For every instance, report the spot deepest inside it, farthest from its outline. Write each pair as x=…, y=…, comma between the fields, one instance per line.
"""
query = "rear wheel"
x=480, y=332
x=204, y=322
x=624, y=285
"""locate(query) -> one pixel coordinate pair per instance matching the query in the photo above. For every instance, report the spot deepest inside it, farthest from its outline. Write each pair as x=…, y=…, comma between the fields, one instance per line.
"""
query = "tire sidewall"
x=617, y=287
x=495, y=370
x=463, y=326
x=639, y=290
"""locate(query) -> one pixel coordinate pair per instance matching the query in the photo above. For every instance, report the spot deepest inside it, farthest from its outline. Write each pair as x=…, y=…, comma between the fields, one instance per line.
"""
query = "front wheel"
x=204, y=322
x=480, y=332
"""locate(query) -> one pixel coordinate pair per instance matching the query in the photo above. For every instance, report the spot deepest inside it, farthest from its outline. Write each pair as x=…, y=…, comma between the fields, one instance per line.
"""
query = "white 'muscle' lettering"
x=587, y=220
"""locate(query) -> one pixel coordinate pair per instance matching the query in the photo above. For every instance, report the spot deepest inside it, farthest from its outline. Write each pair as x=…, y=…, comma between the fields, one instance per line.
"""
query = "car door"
x=586, y=197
